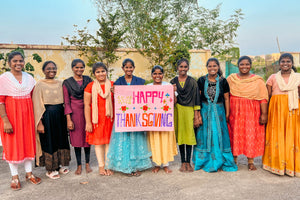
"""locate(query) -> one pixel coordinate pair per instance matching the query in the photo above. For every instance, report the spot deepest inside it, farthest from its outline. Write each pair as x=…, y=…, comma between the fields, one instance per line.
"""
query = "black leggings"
x=87, y=151
x=185, y=153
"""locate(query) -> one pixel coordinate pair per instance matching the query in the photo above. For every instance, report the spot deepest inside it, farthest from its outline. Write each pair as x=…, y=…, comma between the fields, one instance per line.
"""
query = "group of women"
x=223, y=118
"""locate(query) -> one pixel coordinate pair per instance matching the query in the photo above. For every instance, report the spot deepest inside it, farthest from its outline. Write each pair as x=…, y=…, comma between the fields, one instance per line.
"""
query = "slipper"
x=53, y=175
x=64, y=170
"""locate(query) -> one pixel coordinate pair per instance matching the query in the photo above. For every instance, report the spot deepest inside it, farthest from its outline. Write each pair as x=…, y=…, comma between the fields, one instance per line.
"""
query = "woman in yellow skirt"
x=282, y=146
x=162, y=143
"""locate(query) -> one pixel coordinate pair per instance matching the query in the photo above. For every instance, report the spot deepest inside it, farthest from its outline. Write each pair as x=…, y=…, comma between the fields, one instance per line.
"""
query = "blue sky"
x=46, y=21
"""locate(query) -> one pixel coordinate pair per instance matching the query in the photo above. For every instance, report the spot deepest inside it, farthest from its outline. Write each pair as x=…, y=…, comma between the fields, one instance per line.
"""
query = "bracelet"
x=4, y=115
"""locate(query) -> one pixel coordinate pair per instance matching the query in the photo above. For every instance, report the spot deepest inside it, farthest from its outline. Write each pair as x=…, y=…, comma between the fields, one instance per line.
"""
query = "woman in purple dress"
x=73, y=88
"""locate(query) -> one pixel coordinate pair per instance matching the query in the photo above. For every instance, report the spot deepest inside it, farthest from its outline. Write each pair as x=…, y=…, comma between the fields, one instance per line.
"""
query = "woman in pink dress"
x=73, y=89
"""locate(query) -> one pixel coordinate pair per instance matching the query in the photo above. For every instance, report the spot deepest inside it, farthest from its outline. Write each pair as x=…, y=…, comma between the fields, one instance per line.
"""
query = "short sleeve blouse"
x=273, y=83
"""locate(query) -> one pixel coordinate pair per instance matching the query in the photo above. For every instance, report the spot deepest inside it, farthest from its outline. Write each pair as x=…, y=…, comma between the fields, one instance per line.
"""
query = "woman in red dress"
x=98, y=110
x=248, y=112
x=17, y=121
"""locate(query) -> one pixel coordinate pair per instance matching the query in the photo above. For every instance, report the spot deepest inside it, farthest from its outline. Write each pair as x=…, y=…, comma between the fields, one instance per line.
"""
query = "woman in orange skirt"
x=17, y=121
x=282, y=146
x=98, y=111
x=248, y=112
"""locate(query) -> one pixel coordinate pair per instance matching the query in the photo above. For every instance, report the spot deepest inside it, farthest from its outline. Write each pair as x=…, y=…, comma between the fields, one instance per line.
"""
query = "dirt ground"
x=242, y=184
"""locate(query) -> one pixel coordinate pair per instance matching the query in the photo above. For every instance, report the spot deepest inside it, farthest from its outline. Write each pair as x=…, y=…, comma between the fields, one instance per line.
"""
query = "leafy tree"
x=28, y=66
x=102, y=45
x=158, y=27
x=180, y=52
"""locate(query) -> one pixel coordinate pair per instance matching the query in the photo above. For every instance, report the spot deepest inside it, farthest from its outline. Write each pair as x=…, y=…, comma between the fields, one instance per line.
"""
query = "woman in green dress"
x=186, y=114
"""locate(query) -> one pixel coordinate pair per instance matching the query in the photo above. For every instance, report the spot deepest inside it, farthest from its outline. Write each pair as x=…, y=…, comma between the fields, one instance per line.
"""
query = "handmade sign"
x=144, y=108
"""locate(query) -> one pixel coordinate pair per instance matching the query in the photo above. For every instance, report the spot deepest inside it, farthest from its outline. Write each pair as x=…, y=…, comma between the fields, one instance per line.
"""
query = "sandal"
x=53, y=175
x=15, y=184
x=33, y=179
x=64, y=170
x=251, y=167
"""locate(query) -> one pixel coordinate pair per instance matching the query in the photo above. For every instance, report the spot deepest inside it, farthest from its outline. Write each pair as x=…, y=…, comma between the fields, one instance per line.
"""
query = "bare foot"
x=251, y=167
x=78, y=170
x=109, y=172
x=167, y=170
x=87, y=168
x=137, y=173
x=102, y=171
x=183, y=167
x=155, y=169
x=189, y=167
x=235, y=159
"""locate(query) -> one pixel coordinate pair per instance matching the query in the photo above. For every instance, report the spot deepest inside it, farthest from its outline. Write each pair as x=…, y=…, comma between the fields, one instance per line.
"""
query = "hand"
x=227, y=117
x=70, y=125
x=89, y=127
x=200, y=121
x=174, y=87
x=7, y=125
x=112, y=89
x=196, y=123
x=40, y=127
x=263, y=119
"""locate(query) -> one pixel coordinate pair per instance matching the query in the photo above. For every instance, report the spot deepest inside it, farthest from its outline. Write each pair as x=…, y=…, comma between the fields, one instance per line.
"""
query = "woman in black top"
x=213, y=151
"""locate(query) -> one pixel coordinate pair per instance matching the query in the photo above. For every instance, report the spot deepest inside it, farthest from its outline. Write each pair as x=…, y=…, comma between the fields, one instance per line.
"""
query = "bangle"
x=4, y=115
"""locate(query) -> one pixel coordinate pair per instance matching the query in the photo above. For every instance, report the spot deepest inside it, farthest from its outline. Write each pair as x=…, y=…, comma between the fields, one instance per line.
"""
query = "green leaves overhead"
x=102, y=45
x=157, y=28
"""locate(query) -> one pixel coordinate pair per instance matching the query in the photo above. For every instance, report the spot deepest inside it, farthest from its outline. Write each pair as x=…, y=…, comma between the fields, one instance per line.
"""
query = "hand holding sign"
x=144, y=108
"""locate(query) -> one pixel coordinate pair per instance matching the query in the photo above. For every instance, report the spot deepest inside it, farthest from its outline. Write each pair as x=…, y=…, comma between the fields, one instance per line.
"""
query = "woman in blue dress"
x=213, y=151
x=128, y=151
